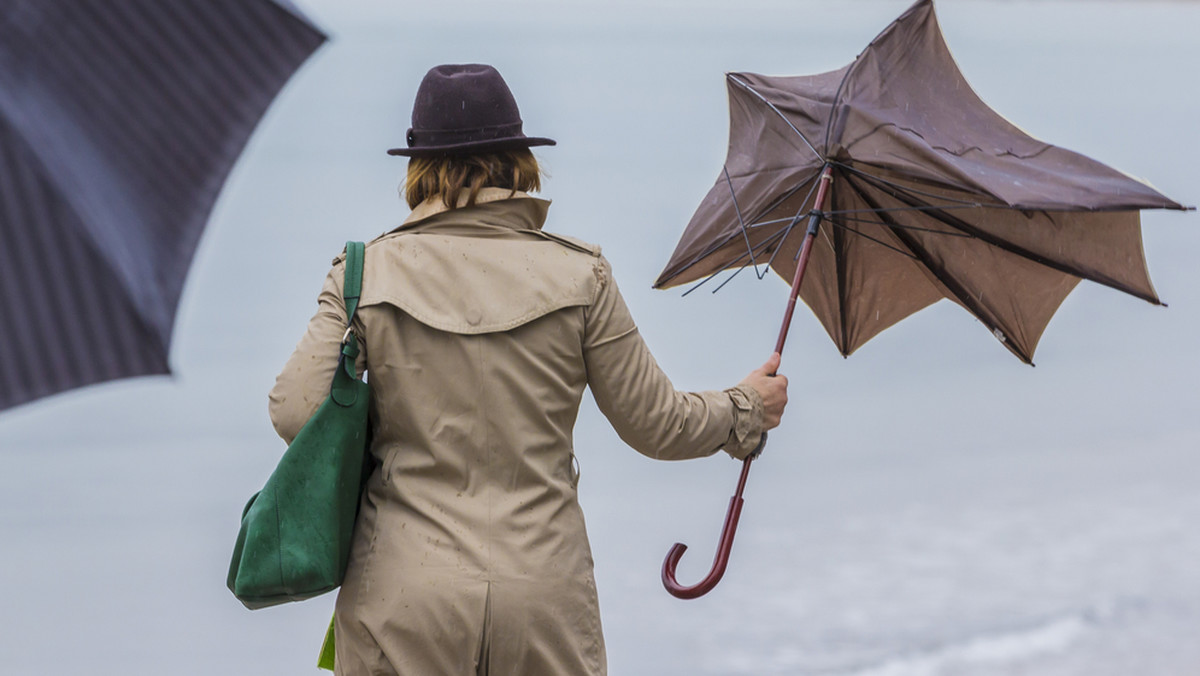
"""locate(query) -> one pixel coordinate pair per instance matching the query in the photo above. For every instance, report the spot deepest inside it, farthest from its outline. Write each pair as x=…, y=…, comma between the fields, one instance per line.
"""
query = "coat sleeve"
x=304, y=382
x=639, y=400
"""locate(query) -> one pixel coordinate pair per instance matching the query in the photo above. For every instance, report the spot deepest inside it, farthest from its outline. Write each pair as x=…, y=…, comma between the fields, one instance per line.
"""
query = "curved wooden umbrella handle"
x=724, y=546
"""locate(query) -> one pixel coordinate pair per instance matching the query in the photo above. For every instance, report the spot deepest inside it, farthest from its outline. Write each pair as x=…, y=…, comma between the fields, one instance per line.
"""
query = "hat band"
x=425, y=138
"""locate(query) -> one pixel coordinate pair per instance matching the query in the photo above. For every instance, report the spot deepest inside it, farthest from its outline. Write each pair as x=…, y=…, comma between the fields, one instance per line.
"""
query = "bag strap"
x=342, y=389
x=352, y=287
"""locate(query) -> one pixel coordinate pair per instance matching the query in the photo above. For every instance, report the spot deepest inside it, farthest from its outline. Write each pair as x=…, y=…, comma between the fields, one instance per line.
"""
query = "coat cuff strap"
x=748, y=416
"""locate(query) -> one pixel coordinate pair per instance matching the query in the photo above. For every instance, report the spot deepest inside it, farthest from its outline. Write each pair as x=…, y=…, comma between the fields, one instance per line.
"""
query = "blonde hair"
x=446, y=176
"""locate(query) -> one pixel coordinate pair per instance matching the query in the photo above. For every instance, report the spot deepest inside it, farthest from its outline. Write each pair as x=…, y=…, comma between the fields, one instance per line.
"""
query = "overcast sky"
x=120, y=502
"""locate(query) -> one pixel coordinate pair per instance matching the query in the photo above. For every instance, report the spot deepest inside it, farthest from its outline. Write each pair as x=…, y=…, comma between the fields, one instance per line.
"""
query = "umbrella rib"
x=720, y=244
x=795, y=219
x=768, y=209
x=880, y=242
x=701, y=256
x=773, y=221
x=741, y=222
x=730, y=278
x=916, y=208
x=854, y=65
x=1021, y=251
x=786, y=195
x=765, y=243
x=838, y=95
x=916, y=228
x=840, y=254
x=706, y=253
x=786, y=231
x=904, y=188
x=960, y=293
x=778, y=112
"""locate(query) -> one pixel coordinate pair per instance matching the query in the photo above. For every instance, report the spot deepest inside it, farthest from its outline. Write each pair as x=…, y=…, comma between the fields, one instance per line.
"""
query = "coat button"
x=474, y=316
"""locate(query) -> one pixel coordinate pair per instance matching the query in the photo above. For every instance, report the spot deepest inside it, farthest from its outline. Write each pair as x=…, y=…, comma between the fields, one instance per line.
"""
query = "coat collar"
x=524, y=211
x=497, y=213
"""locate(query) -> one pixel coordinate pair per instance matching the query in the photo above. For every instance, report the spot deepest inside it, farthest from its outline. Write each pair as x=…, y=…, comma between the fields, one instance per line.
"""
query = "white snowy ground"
x=930, y=507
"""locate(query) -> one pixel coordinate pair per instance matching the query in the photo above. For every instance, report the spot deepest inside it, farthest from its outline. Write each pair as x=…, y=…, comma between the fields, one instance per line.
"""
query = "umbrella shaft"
x=814, y=223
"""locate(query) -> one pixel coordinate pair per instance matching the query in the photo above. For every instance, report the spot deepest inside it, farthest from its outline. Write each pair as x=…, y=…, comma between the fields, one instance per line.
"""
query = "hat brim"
x=474, y=147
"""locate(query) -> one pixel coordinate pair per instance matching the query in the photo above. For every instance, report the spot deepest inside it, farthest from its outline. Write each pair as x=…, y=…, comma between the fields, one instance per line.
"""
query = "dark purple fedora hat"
x=465, y=109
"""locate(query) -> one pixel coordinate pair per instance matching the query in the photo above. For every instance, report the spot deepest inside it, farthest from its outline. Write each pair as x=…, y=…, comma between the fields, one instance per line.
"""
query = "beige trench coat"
x=480, y=332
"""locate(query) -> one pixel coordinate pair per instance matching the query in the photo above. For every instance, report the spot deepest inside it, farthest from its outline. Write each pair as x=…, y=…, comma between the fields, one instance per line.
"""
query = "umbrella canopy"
x=927, y=193
x=933, y=195
x=119, y=122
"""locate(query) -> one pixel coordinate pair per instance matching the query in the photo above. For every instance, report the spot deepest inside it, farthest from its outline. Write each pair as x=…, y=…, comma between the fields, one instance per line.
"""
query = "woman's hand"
x=772, y=388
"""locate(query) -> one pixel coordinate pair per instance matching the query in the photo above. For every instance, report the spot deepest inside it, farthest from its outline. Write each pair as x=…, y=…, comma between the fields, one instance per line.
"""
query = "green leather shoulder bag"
x=294, y=541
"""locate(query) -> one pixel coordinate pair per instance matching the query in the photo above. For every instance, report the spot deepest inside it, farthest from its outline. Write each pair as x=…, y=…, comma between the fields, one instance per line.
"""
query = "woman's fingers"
x=772, y=388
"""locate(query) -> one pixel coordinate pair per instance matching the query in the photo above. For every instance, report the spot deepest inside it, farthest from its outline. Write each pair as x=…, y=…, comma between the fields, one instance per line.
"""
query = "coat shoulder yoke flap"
x=481, y=269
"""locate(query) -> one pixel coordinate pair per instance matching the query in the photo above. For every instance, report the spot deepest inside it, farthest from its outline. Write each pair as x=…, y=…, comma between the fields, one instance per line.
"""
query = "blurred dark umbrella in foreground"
x=119, y=122
x=925, y=193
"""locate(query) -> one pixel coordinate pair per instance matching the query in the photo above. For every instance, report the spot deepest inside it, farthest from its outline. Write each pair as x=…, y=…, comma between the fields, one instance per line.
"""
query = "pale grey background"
x=929, y=507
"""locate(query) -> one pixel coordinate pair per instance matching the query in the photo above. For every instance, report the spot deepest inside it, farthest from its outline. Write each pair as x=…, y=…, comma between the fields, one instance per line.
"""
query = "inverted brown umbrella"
x=119, y=122
x=926, y=193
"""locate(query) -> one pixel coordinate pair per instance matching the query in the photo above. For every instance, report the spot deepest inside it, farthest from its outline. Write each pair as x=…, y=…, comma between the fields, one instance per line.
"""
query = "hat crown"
x=465, y=108
x=464, y=98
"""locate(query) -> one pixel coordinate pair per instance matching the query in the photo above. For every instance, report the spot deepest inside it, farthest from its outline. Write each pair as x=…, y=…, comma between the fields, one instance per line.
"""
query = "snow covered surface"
x=930, y=506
